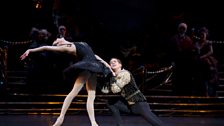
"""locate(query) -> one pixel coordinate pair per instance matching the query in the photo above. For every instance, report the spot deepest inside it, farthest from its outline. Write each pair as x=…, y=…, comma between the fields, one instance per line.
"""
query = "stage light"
x=38, y=4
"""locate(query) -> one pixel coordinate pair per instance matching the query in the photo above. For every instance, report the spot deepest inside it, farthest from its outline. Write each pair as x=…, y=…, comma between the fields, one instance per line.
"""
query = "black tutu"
x=85, y=60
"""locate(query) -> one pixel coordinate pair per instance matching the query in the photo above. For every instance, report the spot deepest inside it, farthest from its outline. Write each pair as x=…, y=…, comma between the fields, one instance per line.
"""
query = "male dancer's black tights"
x=140, y=108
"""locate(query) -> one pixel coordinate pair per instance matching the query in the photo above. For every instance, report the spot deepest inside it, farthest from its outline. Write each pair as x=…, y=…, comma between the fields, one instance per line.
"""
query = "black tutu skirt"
x=73, y=71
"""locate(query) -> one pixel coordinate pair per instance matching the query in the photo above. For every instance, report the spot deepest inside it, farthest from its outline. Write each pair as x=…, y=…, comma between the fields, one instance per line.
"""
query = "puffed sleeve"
x=123, y=78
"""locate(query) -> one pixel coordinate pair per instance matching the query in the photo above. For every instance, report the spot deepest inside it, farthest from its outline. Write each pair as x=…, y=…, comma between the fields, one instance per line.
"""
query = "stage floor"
x=107, y=120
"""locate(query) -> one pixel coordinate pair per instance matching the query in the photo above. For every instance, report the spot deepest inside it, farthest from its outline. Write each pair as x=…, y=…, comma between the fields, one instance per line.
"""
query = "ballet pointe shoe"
x=59, y=121
x=94, y=124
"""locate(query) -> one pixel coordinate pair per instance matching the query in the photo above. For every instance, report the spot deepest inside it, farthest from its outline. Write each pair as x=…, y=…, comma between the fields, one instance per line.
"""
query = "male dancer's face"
x=114, y=64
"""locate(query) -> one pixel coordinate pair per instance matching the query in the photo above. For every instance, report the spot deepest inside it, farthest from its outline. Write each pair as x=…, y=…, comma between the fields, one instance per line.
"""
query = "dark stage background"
x=107, y=24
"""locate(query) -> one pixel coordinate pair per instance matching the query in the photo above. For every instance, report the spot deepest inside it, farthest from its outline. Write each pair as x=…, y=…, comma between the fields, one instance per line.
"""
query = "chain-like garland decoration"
x=216, y=42
x=164, y=69
x=210, y=41
x=16, y=43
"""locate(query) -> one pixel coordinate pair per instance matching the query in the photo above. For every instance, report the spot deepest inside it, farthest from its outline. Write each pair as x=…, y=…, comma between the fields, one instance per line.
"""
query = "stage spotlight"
x=38, y=4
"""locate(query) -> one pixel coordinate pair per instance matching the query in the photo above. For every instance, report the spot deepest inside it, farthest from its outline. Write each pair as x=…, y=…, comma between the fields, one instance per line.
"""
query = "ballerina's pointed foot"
x=59, y=121
x=94, y=124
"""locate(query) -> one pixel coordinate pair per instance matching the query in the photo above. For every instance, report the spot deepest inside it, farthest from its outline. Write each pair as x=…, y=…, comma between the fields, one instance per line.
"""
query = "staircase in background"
x=19, y=98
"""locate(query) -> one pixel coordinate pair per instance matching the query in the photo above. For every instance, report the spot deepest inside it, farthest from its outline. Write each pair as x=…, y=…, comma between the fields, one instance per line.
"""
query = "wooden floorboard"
x=82, y=120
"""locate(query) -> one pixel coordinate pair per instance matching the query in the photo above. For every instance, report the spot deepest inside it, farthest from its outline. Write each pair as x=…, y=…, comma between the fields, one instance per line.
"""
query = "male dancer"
x=132, y=99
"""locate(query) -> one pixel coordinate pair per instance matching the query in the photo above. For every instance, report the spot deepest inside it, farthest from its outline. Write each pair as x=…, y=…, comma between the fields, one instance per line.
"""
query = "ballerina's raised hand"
x=24, y=55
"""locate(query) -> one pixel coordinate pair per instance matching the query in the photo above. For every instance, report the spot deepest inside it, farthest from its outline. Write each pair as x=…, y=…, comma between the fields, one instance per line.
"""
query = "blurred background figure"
x=63, y=33
x=3, y=69
x=182, y=53
x=39, y=64
x=207, y=73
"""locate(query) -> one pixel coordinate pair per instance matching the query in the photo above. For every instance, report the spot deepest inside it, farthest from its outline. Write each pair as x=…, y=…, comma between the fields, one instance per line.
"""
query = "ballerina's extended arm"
x=65, y=49
x=105, y=63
